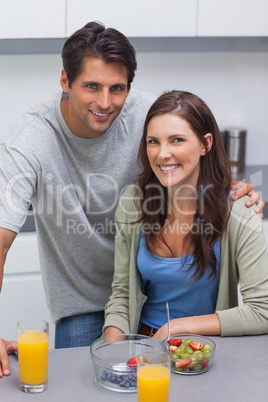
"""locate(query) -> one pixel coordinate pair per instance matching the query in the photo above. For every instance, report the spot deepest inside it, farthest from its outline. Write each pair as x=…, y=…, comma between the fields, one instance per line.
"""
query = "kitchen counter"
x=238, y=373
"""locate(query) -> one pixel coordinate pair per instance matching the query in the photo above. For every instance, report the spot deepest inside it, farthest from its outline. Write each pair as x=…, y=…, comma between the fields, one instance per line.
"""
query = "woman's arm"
x=245, y=257
x=120, y=305
x=202, y=325
x=112, y=331
x=117, y=308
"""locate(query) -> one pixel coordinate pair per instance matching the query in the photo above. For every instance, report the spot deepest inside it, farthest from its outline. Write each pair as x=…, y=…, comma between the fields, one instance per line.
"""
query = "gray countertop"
x=239, y=372
x=146, y=44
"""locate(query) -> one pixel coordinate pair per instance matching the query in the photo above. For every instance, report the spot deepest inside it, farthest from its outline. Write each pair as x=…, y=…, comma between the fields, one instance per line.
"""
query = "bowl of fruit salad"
x=190, y=354
x=114, y=359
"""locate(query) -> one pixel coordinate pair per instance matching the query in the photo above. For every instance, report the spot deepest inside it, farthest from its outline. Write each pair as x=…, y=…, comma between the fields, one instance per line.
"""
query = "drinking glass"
x=33, y=355
x=153, y=376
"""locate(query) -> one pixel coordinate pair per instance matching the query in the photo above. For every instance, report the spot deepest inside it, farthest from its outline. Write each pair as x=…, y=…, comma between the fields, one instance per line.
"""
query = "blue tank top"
x=165, y=279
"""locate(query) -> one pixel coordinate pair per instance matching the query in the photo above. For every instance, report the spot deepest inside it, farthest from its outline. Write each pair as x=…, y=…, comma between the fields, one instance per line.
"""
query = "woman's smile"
x=165, y=169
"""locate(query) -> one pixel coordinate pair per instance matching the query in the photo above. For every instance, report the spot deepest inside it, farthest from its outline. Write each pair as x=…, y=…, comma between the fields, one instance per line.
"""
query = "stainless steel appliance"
x=235, y=146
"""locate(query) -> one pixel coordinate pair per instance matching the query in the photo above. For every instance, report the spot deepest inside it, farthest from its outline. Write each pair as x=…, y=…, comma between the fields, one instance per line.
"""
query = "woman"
x=180, y=238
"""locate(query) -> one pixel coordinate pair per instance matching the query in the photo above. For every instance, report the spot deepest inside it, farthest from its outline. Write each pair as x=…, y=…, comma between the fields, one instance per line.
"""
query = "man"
x=71, y=158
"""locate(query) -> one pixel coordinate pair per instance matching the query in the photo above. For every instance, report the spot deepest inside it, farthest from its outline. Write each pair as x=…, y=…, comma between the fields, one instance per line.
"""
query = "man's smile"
x=101, y=116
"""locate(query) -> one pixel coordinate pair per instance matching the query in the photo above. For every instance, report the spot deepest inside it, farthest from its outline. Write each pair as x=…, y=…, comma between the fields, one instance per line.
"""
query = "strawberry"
x=205, y=363
x=175, y=342
x=196, y=345
x=172, y=348
x=132, y=362
x=183, y=363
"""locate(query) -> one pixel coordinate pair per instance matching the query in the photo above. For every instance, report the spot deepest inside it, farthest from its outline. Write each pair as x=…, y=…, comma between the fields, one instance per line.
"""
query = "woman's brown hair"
x=213, y=184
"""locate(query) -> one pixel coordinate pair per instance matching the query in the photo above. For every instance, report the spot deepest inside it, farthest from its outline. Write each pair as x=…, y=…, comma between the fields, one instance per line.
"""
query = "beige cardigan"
x=244, y=260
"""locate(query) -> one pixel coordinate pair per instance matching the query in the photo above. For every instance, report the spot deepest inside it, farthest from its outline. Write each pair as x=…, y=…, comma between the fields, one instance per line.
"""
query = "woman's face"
x=174, y=152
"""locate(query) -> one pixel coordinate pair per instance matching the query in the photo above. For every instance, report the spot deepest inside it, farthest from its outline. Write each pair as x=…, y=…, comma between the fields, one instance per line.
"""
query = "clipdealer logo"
x=64, y=202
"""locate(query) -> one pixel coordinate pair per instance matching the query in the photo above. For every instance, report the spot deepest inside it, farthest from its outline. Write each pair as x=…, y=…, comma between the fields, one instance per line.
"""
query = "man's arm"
x=247, y=189
x=6, y=239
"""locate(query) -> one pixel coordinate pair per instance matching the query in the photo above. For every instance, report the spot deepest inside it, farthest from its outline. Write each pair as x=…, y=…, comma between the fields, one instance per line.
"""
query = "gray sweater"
x=244, y=260
x=74, y=185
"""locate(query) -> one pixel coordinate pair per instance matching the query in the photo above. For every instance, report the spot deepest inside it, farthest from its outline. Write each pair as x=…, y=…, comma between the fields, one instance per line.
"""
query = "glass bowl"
x=111, y=356
x=190, y=353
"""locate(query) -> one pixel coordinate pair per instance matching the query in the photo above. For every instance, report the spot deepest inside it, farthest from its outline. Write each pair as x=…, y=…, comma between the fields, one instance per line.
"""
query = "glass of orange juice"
x=33, y=355
x=153, y=376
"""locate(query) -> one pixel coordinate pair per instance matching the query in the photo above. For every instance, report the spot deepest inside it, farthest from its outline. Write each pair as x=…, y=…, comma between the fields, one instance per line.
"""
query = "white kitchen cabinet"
x=35, y=19
x=32, y=19
x=150, y=18
x=232, y=18
x=22, y=294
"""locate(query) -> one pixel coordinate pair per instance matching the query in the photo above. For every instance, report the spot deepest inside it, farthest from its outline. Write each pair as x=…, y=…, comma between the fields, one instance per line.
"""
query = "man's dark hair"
x=94, y=40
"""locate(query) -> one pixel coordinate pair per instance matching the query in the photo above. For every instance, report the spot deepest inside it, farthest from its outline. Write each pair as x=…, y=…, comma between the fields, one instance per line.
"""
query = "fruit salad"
x=190, y=356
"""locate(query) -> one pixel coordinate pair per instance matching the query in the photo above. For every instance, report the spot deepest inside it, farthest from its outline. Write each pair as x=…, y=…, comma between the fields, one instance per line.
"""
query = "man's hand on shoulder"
x=247, y=189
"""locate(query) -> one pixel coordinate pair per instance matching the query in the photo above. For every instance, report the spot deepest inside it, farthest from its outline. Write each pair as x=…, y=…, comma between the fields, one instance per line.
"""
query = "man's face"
x=96, y=97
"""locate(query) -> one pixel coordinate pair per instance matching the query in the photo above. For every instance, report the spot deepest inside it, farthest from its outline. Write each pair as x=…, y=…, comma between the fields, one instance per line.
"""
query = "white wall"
x=234, y=84
x=24, y=81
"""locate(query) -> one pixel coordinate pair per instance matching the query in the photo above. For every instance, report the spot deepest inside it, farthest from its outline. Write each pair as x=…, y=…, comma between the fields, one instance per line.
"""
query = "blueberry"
x=108, y=375
x=118, y=379
x=127, y=384
x=104, y=376
x=113, y=378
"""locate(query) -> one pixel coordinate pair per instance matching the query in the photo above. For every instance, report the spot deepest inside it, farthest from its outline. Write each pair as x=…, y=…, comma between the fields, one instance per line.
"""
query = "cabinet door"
x=23, y=297
x=150, y=18
x=22, y=294
x=233, y=18
x=32, y=19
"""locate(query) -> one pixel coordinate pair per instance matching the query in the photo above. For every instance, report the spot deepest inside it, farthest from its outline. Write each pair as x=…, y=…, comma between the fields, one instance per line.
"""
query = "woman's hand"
x=6, y=348
x=162, y=333
x=200, y=324
x=247, y=189
x=111, y=331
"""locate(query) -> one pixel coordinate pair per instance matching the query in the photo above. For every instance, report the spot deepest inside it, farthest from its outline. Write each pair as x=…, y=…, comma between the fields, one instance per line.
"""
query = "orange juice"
x=153, y=383
x=33, y=357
